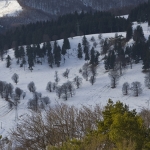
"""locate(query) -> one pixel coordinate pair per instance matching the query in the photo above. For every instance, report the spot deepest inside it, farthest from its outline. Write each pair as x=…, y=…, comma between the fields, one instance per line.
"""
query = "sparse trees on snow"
x=15, y=78
x=31, y=87
x=136, y=88
x=77, y=81
x=114, y=77
x=125, y=88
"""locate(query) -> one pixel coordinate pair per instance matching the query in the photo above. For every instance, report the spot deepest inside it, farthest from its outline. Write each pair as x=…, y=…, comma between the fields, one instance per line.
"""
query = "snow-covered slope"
x=89, y=95
x=9, y=8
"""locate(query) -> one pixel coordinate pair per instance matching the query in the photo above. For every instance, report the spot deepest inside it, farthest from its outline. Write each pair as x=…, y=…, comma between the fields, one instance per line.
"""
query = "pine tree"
x=79, y=51
x=22, y=52
x=57, y=54
x=64, y=51
x=92, y=58
x=85, y=43
x=30, y=61
x=8, y=63
x=51, y=60
x=17, y=53
x=87, y=57
x=48, y=48
x=129, y=33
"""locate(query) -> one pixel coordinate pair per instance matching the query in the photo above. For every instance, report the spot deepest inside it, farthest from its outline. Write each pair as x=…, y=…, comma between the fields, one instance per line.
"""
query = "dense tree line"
x=61, y=7
x=64, y=26
x=141, y=13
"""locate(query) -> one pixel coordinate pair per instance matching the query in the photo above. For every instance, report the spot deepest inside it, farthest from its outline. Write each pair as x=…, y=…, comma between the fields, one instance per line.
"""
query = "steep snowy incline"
x=87, y=94
x=9, y=8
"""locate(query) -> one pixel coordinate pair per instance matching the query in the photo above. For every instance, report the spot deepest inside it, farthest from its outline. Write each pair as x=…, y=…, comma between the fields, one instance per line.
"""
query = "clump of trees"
x=66, y=90
x=135, y=88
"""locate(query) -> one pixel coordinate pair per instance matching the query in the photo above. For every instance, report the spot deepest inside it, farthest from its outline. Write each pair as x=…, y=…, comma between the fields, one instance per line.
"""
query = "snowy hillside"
x=87, y=94
x=9, y=8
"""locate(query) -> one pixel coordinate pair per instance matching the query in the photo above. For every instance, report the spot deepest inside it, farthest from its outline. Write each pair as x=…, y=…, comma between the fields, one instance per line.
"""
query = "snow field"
x=9, y=8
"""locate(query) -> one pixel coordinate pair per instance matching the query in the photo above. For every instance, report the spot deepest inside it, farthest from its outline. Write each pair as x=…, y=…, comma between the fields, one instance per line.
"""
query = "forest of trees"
x=62, y=7
x=141, y=13
x=65, y=26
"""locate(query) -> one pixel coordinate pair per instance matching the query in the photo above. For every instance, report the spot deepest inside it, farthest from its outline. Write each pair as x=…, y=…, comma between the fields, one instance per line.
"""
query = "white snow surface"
x=87, y=94
x=124, y=16
x=9, y=8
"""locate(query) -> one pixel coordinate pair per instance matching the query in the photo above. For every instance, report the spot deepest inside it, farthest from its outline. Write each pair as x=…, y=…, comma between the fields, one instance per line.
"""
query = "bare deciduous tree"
x=136, y=88
x=114, y=76
x=71, y=88
x=125, y=88
x=31, y=87
x=59, y=91
x=44, y=102
x=8, y=90
x=147, y=80
x=49, y=87
x=60, y=123
x=2, y=87
x=34, y=103
x=85, y=71
x=77, y=81
x=65, y=93
x=18, y=92
x=15, y=78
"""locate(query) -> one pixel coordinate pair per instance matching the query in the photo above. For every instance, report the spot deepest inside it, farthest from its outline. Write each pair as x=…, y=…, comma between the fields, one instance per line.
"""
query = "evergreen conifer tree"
x=79, y=51
x=92, y=58
x=8, y=61
x=129, y=33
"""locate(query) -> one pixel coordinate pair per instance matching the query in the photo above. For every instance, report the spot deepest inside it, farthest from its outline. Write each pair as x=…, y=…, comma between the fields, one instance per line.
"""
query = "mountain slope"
x=9, y=8
x=88, y=94
x=61, y=7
